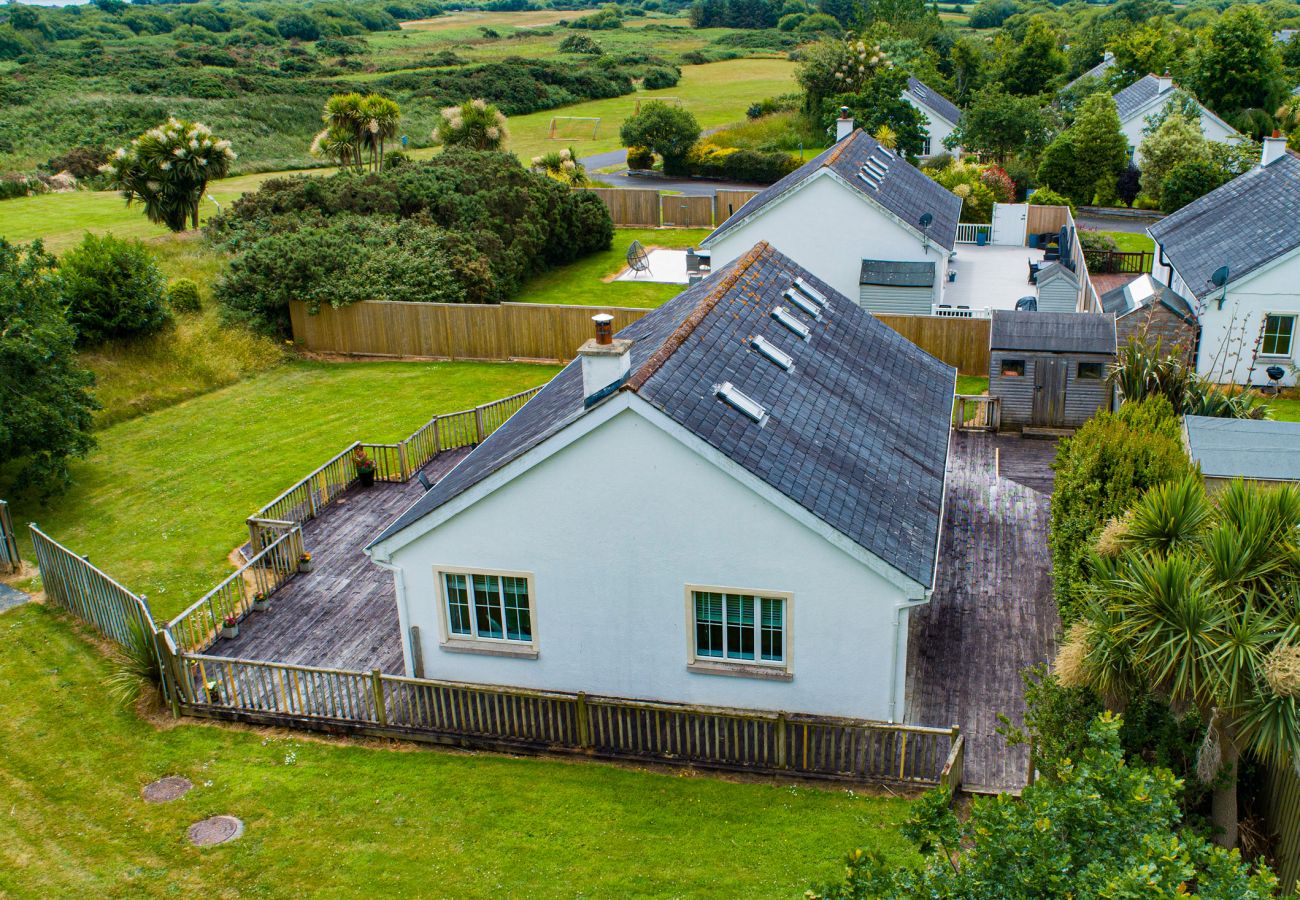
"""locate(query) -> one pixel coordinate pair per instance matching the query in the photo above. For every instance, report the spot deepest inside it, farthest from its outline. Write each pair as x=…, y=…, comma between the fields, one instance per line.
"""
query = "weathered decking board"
x=342, y=614
x=992, y=613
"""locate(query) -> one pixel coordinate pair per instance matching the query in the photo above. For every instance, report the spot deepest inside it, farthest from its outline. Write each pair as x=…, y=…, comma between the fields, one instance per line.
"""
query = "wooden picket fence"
x=10, y=561
x=475, y=715
x=644, y=208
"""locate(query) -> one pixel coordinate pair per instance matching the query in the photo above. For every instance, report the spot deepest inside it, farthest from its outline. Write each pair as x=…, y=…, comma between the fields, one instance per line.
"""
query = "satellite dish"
x=926, y=220
x=1220, y=276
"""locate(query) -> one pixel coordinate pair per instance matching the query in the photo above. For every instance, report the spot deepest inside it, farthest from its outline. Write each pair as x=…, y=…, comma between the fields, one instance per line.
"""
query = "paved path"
x=11, y=597
x=992, y=613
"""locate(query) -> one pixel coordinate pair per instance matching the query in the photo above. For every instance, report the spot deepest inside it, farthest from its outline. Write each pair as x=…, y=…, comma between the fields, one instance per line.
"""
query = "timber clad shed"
x=1049, y=369
x=1253, y=449
x=897, y=287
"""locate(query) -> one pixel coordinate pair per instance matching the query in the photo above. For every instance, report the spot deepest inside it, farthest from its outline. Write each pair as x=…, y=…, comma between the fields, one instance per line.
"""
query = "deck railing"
x=478, y=715
x=976, y=412
x=74, y=584
x=946, y=311
x=197, y=628
x=1110, y=262
x=393, y=462
x=10, y=561
x=969, y=232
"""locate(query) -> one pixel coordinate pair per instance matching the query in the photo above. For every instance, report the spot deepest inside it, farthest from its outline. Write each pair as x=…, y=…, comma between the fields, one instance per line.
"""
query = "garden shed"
x=1048, y=369
x=894, y=286
x=1058, y=288
x=1259, y=450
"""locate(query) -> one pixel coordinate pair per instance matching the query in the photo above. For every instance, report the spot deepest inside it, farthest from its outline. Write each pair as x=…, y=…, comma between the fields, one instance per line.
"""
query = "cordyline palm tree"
x=168, y=169
x=381, y=119
x=356, y=129
x=1197, y=599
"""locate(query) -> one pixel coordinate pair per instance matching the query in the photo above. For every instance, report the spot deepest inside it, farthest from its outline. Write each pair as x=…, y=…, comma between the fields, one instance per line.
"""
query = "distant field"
x=481, y=18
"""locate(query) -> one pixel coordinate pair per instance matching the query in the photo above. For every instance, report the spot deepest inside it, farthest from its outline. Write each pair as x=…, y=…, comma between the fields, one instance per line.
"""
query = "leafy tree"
x=168, y=169
x=1129, y=185
x=878, y=104
x=113, y=289
x=1100, y=148
x=993, y=13
x=476, y=125
x=45, y=400
x=297, y=26
x=1187, y=181
x=1001, y=126
x=668, y=131
x=1178, y=139
x=1236, y=67
x=1155, y=45
x=1060, y=171
x=968, y=63
x=1036, y=63
x=1198, y=601
x=1098, y=827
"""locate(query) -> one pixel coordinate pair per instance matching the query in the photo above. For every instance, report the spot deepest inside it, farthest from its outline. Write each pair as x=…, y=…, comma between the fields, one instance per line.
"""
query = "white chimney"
x=1164, y=83
x=605, y=361
x=1274, y=148
x=1108, y=56
x=843, y=125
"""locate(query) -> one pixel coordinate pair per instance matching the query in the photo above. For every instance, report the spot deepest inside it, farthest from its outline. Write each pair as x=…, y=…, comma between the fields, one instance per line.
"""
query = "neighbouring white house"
x=1099, y=71
x=849, y=215
x=1235, y=255
x=941, y=114
x=1151, y=95
x=734, y=502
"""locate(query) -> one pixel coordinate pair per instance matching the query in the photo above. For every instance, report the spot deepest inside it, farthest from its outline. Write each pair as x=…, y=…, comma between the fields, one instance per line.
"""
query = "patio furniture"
x=1027, y=304
x=424, y=480
x=1033, y=271
x=638, y=259
x=697, y=260
x=1051, y=254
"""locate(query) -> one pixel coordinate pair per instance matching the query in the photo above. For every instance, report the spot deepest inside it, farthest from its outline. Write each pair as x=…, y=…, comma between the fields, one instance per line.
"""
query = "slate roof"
x=1097, y=71
x=1137, y=95
x=903, y=190
x=856, y=432
x=1244, y=225
x=1247, y=448
x=897, y=274
x=933, y=99
x=1052, y=332
x=1144, y=291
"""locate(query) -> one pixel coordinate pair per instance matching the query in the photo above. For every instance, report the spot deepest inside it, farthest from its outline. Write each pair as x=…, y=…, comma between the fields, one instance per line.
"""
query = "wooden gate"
x=686, y=212
x=9, y=559
x=727, y=203
x=1049, y=391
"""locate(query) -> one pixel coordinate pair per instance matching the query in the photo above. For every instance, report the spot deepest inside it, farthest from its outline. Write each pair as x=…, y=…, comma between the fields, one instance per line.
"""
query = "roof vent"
x=811, y=292
x=729, y=394
x=872, y=180
x=804, y=303
x=772, y=352
x=783, y=315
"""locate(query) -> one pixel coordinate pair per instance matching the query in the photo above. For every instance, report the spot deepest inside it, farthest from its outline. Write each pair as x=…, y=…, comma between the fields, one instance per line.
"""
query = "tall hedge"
x=1100, y=473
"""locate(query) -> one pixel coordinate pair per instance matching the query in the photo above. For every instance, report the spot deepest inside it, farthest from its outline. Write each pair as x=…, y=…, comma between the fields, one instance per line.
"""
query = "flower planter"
x=230, y=632
x=261, y=605
x=367, y=478
x=305, y=567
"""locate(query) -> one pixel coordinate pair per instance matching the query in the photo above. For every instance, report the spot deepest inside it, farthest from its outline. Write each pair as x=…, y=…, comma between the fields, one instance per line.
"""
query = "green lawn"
x=584, y=283
x=1131, y=242
x=1283, y=409
x=334, y=819
x=163, y=500
x=972, y=384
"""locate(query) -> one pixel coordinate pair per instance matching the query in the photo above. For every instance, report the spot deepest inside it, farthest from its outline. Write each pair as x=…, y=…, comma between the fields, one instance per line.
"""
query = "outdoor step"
x=1041, y=433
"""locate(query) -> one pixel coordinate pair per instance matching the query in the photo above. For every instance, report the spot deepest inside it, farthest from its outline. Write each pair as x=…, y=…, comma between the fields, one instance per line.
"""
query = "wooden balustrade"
x=490, y=716
x=10, y=561
x=976, y=412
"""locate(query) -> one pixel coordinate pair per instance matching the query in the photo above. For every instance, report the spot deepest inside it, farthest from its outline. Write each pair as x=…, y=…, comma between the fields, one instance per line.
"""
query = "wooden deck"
x=992, y=613
x=342, y=614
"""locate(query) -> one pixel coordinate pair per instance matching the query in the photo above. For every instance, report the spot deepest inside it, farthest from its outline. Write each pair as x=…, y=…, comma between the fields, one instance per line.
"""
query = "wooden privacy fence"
x=510, y=718
x=961, y=343
x=646, y=208
x=1282, y=810
x=393, y=462
x=506, y=331
x=10, y=561
x=1042, y=219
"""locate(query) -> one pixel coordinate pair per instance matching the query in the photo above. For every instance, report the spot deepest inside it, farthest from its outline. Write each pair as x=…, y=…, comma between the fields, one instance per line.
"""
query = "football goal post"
x=671, y=101
x=573, y=128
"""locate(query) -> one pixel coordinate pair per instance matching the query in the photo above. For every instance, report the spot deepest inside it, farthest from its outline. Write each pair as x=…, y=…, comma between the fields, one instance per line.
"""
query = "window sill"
x=740, y=670
x=523, y=651
x=1276, y=357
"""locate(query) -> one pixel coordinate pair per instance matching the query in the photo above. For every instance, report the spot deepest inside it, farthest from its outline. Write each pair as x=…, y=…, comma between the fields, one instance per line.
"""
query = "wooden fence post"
x=478, y=423
x=417, y=652
x=782, y=758
x=377, y=685
x=165, y=648
x=584, y=722
x=401, y=460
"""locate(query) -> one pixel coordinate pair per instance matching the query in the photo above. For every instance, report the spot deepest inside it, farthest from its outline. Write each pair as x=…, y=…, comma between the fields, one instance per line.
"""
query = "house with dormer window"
x=942, y=116
x=1149, y=97
x=734, y=502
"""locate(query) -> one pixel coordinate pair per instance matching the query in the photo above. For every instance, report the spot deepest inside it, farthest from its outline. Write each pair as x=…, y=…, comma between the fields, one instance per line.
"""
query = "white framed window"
x=486, y=607
x=738, y=629
x=925, y=146
x=1279, y=335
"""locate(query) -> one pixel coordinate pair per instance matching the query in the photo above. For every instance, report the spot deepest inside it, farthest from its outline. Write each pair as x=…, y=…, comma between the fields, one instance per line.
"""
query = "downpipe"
x=893, y=675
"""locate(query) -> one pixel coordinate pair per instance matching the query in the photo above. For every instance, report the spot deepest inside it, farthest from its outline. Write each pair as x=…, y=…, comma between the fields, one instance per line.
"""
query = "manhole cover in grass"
x=173, y=787
x=216, y=830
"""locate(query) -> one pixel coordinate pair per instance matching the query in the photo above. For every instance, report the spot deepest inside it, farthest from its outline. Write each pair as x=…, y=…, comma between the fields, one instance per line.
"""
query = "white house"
x=735, y=502
x=1235, y=255
x=941, y=114
x=855, y=203
x=1149, y=96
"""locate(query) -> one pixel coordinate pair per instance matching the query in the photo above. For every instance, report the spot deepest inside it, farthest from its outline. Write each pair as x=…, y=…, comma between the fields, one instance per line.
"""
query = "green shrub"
x=1045, y=196
x=791, y=22
x=1100, y=472
x=819, y=23
x=658, y=77
x=640, y=158
x=113, y=289
x=183, y=296
x=729, y=164
x=580, y=43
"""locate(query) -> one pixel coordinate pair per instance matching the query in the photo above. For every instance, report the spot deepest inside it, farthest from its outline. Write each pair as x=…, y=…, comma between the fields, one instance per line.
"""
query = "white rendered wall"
x=1132, y=128
x=936, y=126
x=1229, y=335
x=612, y=529
x=828, y=229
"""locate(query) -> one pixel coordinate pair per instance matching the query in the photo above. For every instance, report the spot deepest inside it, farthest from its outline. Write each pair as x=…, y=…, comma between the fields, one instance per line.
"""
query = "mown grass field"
x=331, y=819
x=162, y=501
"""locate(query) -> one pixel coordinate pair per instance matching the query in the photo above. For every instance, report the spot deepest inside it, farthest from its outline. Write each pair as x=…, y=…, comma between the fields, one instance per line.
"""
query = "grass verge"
x=162, y=501
x=339, y=819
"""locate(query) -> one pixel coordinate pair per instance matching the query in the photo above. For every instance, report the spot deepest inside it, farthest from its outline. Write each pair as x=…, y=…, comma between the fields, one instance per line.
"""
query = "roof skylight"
x=786, y=318
x=772, y=352
x=731, y=395
x=810, y=292
x=804, y=303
